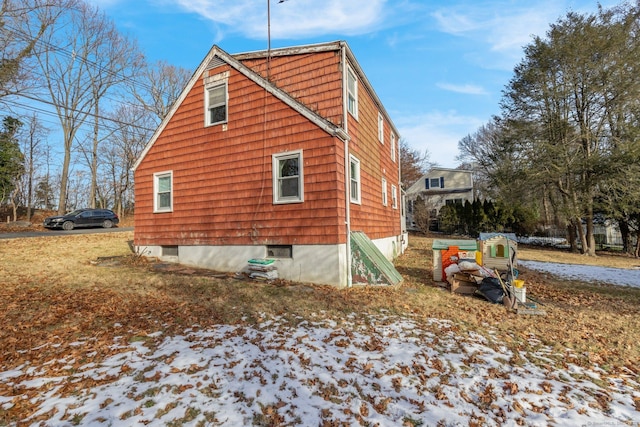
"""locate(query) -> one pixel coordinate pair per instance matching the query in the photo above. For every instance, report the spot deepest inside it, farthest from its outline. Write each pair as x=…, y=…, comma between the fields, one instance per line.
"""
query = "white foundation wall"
x=320, y=264
x=391, y=247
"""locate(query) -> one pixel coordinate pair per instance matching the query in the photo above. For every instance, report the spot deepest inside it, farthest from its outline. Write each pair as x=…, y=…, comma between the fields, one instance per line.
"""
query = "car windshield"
x=76, y=212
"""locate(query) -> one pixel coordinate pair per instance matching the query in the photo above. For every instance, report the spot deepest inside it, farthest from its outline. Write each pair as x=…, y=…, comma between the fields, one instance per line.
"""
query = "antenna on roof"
x=269, y=37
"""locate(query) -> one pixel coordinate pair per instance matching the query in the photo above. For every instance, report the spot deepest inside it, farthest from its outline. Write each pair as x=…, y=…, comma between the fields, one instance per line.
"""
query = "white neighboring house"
x=439, y=187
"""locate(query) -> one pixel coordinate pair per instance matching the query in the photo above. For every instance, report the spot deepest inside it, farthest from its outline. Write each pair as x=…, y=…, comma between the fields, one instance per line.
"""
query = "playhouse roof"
x=487, y=236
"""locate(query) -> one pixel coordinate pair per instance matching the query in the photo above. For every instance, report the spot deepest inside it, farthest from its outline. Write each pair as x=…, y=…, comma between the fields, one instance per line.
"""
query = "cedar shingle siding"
x=222, y=174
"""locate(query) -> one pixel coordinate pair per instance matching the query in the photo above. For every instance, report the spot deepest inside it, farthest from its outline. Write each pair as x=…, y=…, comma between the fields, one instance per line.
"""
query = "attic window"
x=393, y=146
x=352, y=93
x=216, y=103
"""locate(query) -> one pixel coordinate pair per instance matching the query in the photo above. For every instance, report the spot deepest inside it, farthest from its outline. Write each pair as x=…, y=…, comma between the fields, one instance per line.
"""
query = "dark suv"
x=83, y=218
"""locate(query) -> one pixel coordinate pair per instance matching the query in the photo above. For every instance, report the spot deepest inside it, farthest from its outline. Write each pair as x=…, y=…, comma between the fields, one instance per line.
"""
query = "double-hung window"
x=393, y=146
x=288, y=182
x=384, y=192
x=380, y=128
x=216, y=103
x=394, y=197
x=354, y=169
x=352, y=93
x=163, y=192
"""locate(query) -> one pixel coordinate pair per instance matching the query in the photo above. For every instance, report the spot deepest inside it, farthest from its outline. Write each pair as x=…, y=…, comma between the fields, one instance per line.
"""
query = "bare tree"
x=114, y=61
x=158, y=86
x=31, y=142
x=125, y=145
x=22, y=24
x=66, y=63
x=413, y=164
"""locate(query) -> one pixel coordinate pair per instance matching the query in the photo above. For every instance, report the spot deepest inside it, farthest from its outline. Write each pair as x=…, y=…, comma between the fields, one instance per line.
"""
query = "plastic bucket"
x=520, y=294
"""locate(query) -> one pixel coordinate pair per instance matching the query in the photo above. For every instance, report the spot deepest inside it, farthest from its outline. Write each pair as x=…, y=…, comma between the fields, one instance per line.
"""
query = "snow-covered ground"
x=588, y=273
x=380, y=370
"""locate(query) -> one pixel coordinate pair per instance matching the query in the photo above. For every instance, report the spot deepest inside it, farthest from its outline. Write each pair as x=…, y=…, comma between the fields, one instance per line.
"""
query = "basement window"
x=170, y=251
x=279, y=251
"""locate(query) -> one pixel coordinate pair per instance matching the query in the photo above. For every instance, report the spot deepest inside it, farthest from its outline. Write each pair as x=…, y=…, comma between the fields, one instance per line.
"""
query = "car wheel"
x=68, y=225
x=107, y=223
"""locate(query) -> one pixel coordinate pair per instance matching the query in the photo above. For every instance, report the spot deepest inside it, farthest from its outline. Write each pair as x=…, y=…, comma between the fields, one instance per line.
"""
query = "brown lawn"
x=53, y=290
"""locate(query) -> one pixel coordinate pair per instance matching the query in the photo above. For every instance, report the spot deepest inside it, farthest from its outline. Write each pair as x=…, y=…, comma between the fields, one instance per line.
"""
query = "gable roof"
x=326, y=47
x=216, y=54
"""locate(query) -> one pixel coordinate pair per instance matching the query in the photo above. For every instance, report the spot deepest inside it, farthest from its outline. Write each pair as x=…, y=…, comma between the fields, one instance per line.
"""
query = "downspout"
x=347, y=164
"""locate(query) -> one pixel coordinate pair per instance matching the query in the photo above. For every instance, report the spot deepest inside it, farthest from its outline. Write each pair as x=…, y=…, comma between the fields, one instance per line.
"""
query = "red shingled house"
x=280, y=154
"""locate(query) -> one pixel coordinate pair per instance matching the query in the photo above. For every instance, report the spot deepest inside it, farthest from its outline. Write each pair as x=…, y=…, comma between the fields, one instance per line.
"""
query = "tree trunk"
x=94, y=157
x=572, y=236
x=581, y=235
x=589, y=238
x=625, y=232
x=64, y=178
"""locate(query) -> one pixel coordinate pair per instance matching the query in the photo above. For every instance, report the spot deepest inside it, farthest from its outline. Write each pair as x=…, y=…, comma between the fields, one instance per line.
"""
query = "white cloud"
x=468, y=89
x=505, y=28
x=438, y=133
x=290, y=19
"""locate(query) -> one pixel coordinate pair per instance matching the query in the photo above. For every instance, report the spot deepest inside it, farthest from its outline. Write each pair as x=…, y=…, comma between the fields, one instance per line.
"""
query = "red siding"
x=371, y=217
x=222, y=178
x=222, y=182
x=314, y=79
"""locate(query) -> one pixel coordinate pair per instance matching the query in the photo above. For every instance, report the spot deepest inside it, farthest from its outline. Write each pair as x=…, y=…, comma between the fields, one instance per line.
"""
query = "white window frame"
x=211, y=83
x=352, y=94
x=384, y=192
x=275, y=162
x=393, y=146
x=394, y=196
x=432, y=180
x=380, y=128
x=156, y=192
x=354, y=161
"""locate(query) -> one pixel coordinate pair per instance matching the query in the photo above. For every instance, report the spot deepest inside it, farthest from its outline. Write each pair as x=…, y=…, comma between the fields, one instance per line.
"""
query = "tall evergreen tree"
x=11, y=158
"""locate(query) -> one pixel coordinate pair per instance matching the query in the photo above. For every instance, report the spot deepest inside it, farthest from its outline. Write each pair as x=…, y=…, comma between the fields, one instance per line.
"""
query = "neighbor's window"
x=216, y=104
x=288, y=178
x=162, y=188
x=394, y=197
x=384, y=192
x=434, y=183
x=393, y=146
x=352, y=93
x=380, y=128
x=355, y=179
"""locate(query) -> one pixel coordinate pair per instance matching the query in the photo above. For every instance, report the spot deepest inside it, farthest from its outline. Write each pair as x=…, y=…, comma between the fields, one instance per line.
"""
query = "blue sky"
x=438, y=66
